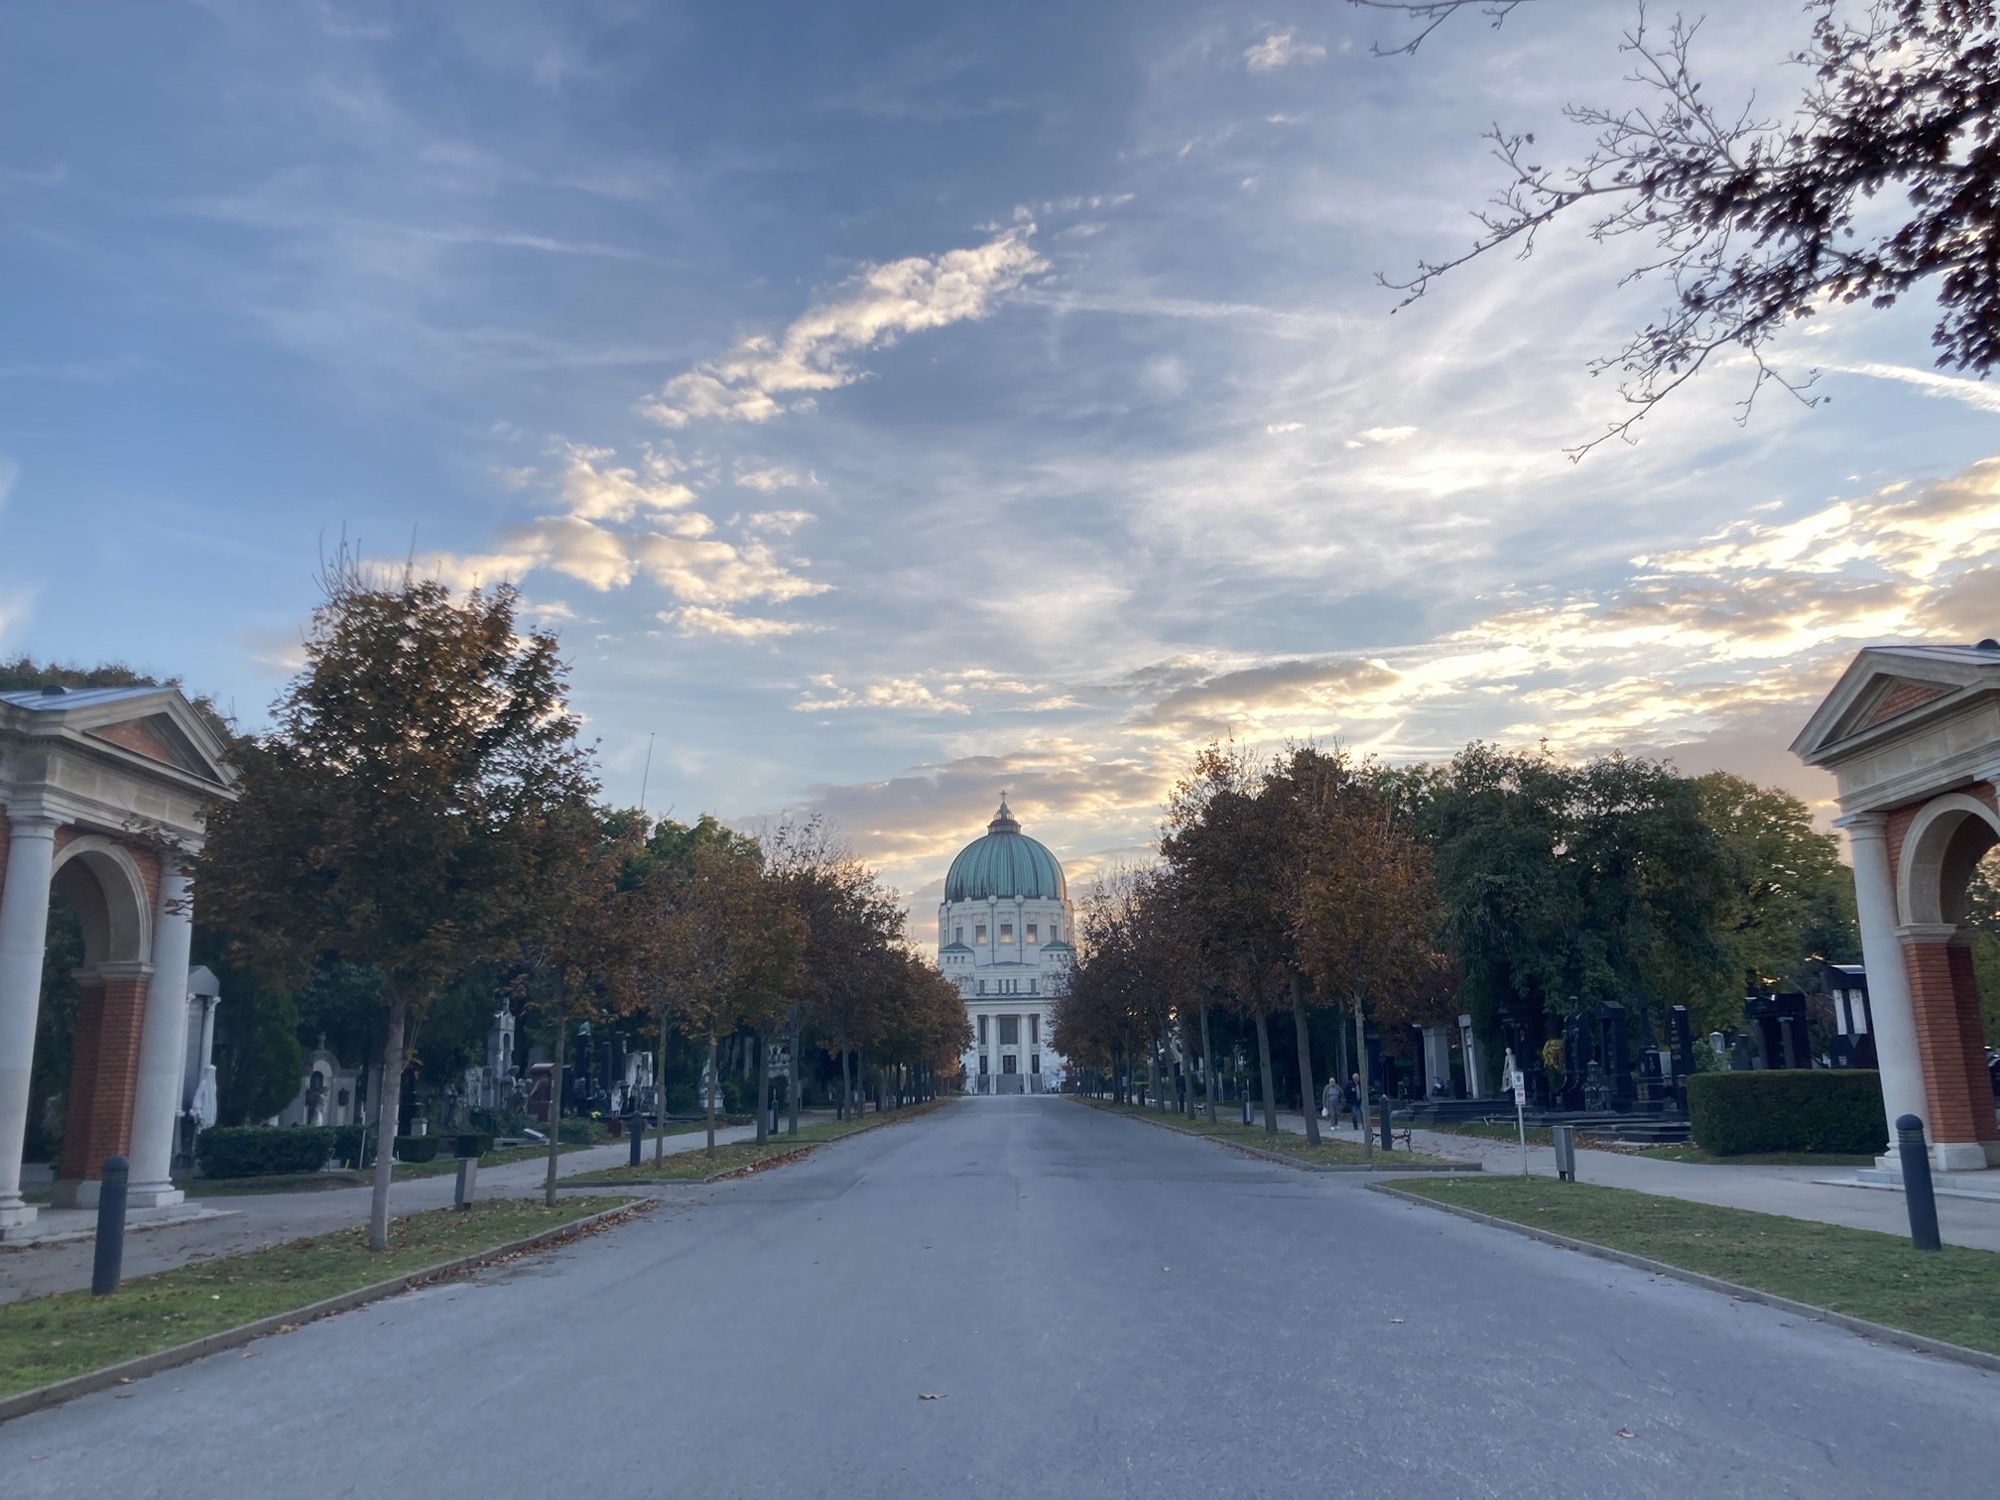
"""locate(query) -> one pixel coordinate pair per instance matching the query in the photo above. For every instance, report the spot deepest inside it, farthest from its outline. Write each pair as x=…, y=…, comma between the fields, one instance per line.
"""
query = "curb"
x=21, y=1404
x=1278, y=1156
x=1979, y=1359
x=895, y=1117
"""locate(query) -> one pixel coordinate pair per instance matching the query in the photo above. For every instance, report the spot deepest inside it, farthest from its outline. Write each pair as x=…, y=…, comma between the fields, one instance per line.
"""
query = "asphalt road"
x=1100, y=1307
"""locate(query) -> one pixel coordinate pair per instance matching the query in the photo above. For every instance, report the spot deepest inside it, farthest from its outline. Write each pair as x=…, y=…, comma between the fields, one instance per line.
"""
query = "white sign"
x=1518, y=1082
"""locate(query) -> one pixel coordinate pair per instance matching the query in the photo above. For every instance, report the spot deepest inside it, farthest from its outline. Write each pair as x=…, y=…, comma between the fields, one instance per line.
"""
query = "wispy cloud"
x=1280, y=50
x=765, y=375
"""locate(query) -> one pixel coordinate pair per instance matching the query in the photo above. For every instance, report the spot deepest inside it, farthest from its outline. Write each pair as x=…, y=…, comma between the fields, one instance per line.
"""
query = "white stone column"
x=24, y=926
x=1888, y=982
x=156, y=1102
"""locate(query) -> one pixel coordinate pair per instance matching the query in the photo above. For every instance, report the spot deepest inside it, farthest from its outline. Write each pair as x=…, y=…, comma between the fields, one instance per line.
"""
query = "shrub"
x=419, y=1147
x=578, y=1133
x=347, y=1144
x=262, y=1150
x=1791, y=1109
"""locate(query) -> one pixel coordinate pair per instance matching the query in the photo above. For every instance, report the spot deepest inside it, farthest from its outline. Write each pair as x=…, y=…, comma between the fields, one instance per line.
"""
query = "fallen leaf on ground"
x=1395, y=1320
x=930, y=1395
x=124, y=1396
x=249, y=1353
x=1626, y=1432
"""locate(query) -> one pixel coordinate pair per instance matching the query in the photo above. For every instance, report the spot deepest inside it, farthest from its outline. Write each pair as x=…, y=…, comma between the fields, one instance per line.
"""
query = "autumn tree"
x=729, y=950
x=1881, y=177
x=1363, y=909
x=1221, y=841
x=585, y=949
x=383, y=819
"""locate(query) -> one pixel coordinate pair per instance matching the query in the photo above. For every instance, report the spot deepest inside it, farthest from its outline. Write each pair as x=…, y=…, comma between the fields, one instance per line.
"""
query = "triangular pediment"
x=162, y=727
x=1888, y=690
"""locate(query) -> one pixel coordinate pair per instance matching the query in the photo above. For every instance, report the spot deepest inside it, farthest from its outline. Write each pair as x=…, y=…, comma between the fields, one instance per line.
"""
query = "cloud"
x=778, y=522
x=622, y=523
x=1277, y=427
x=1385, y=437
x=1281, y=49
x=1255, y=698
x=696, y=619
x=1974, y=393
x=770, y=480
x=764, y=376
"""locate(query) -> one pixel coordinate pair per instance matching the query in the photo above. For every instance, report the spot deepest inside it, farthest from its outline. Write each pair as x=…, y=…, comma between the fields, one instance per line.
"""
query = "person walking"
x=1331, y=1101
x=1354, y=1099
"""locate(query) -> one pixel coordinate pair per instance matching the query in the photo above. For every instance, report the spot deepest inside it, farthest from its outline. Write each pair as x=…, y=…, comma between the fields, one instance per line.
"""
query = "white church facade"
x=1004, y=932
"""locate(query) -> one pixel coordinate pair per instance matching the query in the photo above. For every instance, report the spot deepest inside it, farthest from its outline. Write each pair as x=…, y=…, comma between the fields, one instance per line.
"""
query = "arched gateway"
x=103, y=794
x=1912, y=733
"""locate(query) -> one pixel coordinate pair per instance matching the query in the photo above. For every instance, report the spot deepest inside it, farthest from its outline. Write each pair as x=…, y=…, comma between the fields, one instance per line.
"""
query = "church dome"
x=1006, y=863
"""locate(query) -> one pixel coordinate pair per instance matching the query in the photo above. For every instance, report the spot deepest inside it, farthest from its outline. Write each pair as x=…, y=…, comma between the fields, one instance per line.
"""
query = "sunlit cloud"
x=1281, y=49
x=766, y=375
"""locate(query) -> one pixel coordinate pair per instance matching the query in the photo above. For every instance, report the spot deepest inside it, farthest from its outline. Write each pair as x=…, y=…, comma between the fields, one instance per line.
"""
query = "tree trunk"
x=846, y=1085
x=792, y=1082
x=388, y=1121
x=660, y=1094
x=1207, y=1064
x=714, y=1087
x=1264, y=1071
x=555, y=1114
x=763, y=1089
x=861, y=1082
x=1361, y=1067
x=1306, y=1091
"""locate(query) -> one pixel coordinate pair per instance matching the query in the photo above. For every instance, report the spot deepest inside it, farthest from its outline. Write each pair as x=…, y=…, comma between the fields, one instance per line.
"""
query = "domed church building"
x=1004, y=939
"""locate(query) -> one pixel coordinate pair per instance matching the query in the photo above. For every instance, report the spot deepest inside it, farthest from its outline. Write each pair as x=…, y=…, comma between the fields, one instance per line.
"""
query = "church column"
x=1888, y=983
x=24, y=926
x=162, y=1047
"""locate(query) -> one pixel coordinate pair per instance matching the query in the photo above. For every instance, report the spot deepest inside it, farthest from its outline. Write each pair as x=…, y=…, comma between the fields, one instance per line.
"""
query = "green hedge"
x=419, y=1147
x=262, y=1150
x=1790, y=1109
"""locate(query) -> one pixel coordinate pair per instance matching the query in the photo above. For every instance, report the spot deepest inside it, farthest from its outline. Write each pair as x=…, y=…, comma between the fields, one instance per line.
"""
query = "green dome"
x=1006, y=863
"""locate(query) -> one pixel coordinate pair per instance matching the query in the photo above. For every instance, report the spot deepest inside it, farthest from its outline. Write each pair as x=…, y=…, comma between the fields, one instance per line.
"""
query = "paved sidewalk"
x=252, y=1221
x=1792, y=1192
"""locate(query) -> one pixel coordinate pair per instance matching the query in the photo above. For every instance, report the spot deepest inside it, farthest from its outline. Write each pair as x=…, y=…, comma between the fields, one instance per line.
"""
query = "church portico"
x=103, y=798
x=1912, y=733
x=1003, y=939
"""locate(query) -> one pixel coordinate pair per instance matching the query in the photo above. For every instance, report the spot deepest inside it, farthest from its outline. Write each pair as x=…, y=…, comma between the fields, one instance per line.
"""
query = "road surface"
x=1099, y=1307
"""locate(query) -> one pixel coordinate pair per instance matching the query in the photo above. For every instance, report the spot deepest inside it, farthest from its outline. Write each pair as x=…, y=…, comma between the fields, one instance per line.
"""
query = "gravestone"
x=1615, y=1053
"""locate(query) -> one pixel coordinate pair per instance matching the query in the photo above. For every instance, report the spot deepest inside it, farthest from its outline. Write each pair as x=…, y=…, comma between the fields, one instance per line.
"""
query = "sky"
x=891, y=404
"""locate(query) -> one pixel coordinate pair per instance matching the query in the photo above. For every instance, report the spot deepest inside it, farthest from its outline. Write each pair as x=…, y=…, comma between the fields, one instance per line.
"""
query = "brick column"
x=1944, y=1004
x=104, y=1076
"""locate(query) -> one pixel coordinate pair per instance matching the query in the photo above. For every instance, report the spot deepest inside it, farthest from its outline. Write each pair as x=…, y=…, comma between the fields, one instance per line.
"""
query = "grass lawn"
x=1329, y=1153
x=1952, y=1295
x=47, y=1339
x=692, y=1166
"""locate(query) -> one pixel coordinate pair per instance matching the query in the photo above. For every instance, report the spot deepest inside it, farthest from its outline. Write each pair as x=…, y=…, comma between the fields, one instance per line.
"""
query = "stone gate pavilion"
x=104, y=794
x=1004, y=940
x=1912, y=734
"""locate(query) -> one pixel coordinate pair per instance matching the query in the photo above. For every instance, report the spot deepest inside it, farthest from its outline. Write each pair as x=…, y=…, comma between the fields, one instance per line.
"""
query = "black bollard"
x=110, y=1262
x=637, y=1126
x=1388, y=1136
x=1917, y=1194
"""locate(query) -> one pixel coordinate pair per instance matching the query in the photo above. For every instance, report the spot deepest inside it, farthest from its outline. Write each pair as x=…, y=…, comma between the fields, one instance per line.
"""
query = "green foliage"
x=349, y=1142
x=1794, y=1109
x=415, y=1148
x=55, y=1030
x=258, y=1060
x=262, y=1150
x=578, y=1132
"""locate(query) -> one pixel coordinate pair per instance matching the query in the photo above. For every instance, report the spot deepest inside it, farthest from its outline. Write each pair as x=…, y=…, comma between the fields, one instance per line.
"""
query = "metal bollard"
x=468, y=1182
x=638, y=1134
x=1565, y=1143
x=110, y=1262
x=1388, y=1135
x=1246, y=1109
x=1917, y=1194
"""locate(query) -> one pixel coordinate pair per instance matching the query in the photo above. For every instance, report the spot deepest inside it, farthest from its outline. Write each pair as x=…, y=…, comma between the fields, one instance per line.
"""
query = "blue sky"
x=892, y=404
